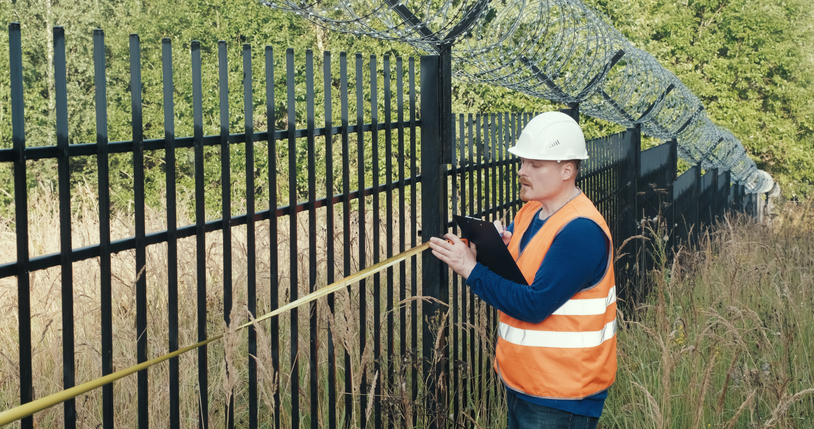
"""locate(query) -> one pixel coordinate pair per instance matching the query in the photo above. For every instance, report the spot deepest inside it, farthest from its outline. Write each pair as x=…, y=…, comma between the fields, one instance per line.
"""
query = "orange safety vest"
x=572, y=353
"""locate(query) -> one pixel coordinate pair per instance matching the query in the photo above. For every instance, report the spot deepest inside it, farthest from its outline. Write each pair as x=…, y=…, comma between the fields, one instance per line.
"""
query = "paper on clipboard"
x=492, y=252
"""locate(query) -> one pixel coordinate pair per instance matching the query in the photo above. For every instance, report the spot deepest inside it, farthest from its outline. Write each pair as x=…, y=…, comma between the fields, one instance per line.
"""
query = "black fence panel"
x=603, y=179
x=654, y=211
x=607, y=178
x=273, y=215
x=655, y=184
x=685, y=205
x=723, y=195
x=708, y=187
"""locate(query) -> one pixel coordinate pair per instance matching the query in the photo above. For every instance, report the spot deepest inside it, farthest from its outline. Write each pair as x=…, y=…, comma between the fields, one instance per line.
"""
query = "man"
x=556, y=349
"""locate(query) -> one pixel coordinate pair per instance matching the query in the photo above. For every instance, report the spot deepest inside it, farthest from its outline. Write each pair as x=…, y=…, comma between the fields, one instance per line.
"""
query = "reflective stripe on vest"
x=587, y=307
x=572, y=353
x=554, y=339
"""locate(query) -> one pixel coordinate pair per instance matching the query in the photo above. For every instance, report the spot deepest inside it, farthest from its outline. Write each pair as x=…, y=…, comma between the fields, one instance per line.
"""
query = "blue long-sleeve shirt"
x=576, y=259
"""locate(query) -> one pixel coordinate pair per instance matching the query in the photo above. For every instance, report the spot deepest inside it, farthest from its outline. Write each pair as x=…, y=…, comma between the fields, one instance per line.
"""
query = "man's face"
x=539, y=179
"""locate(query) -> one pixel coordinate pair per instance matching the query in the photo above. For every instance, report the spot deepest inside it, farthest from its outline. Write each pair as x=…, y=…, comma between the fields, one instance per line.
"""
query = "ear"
x=568, y=170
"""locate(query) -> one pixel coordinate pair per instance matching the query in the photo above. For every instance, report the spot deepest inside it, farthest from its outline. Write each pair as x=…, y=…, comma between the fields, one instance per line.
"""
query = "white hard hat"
x=552, y=136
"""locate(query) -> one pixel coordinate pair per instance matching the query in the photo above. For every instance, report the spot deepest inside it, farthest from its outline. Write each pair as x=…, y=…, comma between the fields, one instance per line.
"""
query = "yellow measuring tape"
x=32, y=407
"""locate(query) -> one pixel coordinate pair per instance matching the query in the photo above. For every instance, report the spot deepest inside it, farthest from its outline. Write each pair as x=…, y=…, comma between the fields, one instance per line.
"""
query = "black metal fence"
x=370, y=356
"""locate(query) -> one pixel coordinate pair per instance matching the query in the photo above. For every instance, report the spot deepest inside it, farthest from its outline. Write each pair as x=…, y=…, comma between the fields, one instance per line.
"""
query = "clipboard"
x=492, y=253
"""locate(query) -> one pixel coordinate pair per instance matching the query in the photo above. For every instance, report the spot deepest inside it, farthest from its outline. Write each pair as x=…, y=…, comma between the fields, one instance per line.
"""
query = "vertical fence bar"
x=388, y=174
x=635, y=171
x=488, y=181
x=292, y=204
x=470, y=362
x=479, y=163
x=251, y=245
x=698, y=191
x=510, y=133
x=505, y=199
x=714, y=202
x=476, y=303
x=141, y=254
x=21, y=217
x=508, y=169
x=487, y=173
x=377, y=302
x=672, y=175
x=402, y=217
x=454, y=323
x=312, y=236
x=464, y=362
x=414, y=319
x=360, y=152
x=105, y=275
x=66, y=259
x=497, y=197
x=346, y=269
x=274, y=324
x=519, y=123
x=226, y=203
x=494, y=142
x=172, y=229
x=501, y=178
x=470, y=163
x=200, y=236
x=729, y=188
x=329, y=215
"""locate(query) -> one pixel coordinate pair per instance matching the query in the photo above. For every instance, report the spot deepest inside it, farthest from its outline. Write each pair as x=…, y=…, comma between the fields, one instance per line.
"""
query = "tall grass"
x=227, y=359
x=725, y=338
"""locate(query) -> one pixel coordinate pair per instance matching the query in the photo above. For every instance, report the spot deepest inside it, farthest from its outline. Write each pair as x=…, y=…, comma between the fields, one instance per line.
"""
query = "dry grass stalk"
x=267, y=378
x=783, y=406
x=371, y=396
x=722, y=396
x=699, y=408
x=619, y=254
x=731, y=423
x=655, y=411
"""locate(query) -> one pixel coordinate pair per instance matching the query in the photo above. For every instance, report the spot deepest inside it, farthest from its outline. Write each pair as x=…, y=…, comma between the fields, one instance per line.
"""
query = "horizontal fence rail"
x=322, y=174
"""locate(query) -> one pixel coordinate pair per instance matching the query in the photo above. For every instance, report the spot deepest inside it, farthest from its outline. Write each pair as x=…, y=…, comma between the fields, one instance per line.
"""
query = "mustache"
x=524, y=182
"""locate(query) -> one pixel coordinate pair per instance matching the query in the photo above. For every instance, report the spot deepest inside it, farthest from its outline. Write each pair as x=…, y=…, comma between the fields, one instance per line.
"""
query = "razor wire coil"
x=560, y=50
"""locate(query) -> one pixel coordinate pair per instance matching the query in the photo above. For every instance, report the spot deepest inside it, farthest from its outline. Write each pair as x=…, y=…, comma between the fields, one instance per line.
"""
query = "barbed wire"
x=560, y=50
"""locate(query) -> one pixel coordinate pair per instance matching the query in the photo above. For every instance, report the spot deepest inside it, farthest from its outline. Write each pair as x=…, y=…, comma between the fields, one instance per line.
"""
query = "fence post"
x=572, y=111
x=18, y=138
x=436, y=127
x=669, y=208
x=713, y=203
x=697, y=208
x=634, y=157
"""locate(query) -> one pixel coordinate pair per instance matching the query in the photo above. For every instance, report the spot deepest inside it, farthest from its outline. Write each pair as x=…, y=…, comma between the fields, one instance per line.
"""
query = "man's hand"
x=504, y=234
x=452, y=251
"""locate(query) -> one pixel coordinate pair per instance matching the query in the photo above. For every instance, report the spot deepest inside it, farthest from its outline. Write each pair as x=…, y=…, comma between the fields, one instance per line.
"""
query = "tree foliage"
x=749, y=61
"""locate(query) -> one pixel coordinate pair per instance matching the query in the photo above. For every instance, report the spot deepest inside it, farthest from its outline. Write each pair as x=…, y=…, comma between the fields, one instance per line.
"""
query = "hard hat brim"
x=514, y=150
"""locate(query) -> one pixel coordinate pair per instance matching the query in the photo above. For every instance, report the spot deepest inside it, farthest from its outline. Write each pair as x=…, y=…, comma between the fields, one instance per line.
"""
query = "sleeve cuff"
x=474, y=276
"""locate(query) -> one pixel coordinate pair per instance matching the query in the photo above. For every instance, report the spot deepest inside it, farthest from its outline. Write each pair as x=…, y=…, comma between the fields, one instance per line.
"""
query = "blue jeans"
x=525, y=415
